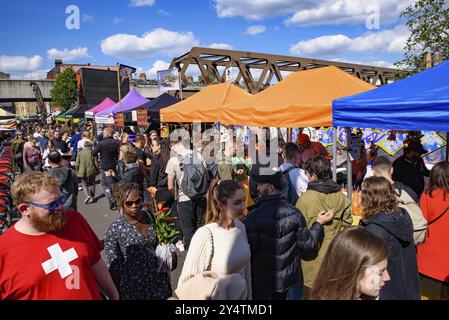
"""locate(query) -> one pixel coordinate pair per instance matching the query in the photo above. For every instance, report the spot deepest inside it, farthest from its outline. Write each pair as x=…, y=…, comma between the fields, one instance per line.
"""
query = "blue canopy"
x=419, y=102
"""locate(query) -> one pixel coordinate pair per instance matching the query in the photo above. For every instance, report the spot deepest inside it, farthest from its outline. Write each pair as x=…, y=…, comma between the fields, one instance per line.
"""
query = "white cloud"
x=323, y=45
x=223, y=46
x=375, y=63
x=35, y=75
x=142, y=3
x=88, y=18
x=312, y=12
x=259, y=9
x=19, y=63
x=163, y=13
x=155, y=42
x=253, y=30
x=117, y=20
x=67, y=54
x=157, y=66
x=387, y=41
x=349, y=12
x=151, y=73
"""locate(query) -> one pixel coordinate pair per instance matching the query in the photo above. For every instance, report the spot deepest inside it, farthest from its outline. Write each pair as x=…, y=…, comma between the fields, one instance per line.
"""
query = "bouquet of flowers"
x=166, y=233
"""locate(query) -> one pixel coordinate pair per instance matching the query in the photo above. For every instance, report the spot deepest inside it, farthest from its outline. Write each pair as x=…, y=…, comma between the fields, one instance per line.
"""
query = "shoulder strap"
x=289, y=169
x=209, y=266
x=444, y=212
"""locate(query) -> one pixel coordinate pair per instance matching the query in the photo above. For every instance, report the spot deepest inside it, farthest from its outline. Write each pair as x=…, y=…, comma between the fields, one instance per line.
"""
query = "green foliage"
x=65, y=92
x=165, y=230
x=428, y=22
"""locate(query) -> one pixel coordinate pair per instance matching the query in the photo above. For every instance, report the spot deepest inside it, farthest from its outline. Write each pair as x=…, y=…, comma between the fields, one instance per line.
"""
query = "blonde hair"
x=219, y=192
x=31, y=182
x=124, y=136
x=124, y=149
x=108, y=132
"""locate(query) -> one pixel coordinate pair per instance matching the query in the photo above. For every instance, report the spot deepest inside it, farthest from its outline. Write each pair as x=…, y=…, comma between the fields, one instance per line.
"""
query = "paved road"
x=100, y=217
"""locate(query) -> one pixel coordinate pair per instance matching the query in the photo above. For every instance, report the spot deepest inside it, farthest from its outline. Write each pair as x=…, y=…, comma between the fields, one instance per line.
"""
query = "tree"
x=428, y=22
x=65, y=91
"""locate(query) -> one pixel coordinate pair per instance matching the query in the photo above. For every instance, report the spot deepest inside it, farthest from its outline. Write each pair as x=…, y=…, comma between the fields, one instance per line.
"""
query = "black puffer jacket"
x=279, y=239
x=397, y=231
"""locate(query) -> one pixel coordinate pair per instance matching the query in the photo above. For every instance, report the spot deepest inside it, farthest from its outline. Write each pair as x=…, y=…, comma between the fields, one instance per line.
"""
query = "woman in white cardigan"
x=221, y=245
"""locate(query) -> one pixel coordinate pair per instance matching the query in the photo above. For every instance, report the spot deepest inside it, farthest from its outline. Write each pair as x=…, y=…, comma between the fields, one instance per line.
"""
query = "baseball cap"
x=303, y=138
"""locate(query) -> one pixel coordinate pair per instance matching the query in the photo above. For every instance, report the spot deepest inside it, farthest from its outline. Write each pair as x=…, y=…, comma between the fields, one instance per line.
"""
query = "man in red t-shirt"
x=50, y=253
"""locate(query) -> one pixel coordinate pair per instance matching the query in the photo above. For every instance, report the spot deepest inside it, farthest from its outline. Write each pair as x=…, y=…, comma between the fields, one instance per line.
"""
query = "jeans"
x=35, y=167
x=88, y=184
x=108, y=184
x=191, y=216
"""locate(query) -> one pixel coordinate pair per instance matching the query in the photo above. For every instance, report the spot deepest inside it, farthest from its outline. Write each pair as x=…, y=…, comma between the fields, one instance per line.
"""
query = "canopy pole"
x=349, y=163
x=334, y=153
x=447, y=146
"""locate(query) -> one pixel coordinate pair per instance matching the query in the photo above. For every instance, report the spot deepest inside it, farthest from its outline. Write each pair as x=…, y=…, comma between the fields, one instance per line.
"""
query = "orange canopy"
x=205, y=105
x=303, y=99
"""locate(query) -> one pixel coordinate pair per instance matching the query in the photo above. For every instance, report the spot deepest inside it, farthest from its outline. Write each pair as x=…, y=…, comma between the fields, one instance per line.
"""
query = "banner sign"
x=119, y=121
x=142, y=117
x=168, y=79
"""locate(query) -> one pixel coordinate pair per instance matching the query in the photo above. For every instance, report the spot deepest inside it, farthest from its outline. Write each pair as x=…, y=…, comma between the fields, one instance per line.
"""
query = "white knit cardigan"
x=200, y=254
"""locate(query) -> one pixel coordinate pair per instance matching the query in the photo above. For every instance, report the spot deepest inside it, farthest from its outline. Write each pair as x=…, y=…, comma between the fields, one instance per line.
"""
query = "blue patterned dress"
x=132, y=261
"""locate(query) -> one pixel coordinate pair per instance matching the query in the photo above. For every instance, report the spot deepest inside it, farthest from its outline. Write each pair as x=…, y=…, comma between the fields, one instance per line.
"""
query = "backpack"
x=195, y=181
x=289, y=190
x=414, y=211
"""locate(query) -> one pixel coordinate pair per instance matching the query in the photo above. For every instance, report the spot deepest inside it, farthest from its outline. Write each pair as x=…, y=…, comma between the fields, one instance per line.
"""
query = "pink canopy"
x=106, y=103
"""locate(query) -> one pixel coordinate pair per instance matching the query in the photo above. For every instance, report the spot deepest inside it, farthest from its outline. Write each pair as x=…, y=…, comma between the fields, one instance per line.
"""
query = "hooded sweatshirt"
x=396, y=230
x=69, y=184
x=323, y=196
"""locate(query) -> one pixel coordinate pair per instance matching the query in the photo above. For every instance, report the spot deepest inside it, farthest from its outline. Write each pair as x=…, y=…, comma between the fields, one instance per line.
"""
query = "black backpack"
x=195, y=181
x=289, y=190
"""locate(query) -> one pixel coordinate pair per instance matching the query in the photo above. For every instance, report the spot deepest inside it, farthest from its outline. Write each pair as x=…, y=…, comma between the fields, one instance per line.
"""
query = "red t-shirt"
x=52, y=266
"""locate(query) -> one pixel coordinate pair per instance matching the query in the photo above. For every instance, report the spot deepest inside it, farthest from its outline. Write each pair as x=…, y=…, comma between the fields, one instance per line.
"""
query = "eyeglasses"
x=138, y=202
x=52, y=206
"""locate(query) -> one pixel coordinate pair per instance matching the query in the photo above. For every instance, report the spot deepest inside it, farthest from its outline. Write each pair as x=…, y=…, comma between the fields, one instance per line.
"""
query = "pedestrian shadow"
x=101, y=196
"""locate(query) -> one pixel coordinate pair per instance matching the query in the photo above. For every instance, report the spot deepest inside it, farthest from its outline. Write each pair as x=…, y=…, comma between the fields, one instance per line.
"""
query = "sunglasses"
x=52, y=206
x=138, y=202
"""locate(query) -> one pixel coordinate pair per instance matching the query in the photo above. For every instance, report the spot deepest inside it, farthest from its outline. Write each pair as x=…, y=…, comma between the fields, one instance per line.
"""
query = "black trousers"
x=191, y=215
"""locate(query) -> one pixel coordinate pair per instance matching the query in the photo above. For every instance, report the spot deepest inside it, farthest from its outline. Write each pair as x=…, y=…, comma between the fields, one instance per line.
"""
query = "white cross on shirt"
x=59, y=260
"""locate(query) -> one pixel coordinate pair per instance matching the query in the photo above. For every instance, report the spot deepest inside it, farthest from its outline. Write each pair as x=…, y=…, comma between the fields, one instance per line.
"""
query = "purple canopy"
x=131, y=101
x=106, y=103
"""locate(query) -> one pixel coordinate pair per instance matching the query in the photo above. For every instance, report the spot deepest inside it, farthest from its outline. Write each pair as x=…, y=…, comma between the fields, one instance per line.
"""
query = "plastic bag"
x=166, y=256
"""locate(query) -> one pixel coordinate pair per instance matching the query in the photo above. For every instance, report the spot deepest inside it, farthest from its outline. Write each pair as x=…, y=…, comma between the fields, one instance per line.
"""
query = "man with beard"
x=279, y=238
x=50, y=254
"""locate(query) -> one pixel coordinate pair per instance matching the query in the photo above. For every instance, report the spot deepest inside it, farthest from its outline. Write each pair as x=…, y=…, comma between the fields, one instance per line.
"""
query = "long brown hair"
x=378, y=195
x=349, y=255
x=219, y=192
x=439, y=178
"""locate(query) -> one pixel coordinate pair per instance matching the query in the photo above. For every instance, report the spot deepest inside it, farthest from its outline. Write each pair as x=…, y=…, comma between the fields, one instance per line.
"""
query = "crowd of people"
x=288, y=235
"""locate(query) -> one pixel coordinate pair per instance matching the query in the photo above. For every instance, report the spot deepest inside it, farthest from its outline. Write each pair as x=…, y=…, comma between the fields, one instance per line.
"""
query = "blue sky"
x=148, y=33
